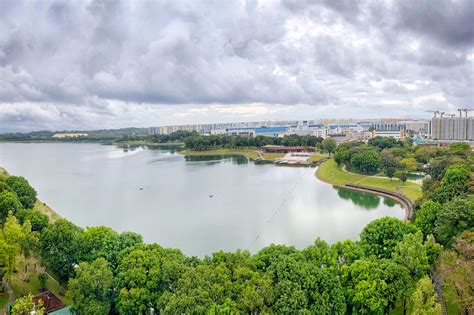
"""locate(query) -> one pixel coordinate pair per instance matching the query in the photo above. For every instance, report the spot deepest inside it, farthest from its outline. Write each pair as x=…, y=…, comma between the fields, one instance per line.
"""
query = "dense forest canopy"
x=392, y=265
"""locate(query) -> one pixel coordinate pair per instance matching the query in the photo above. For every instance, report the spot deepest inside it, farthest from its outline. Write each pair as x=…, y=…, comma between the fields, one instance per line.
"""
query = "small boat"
x=210, y=196
x=141, y=188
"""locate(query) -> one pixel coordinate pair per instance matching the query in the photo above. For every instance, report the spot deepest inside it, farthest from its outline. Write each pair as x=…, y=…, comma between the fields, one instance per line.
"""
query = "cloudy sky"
x=103, y=64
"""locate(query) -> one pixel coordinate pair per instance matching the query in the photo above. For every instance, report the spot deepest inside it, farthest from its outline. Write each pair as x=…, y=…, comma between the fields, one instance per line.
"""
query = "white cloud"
x=96, y=64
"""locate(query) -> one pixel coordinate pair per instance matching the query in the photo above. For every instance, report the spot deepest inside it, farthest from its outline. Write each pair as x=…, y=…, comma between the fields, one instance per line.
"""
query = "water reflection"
x=277, y=204
x=362, y=199
x=389, y=202
x=212, y=159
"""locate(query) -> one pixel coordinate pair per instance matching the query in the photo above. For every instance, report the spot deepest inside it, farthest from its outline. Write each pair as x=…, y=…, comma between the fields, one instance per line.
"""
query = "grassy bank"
x=329, y=172
x=39, y=205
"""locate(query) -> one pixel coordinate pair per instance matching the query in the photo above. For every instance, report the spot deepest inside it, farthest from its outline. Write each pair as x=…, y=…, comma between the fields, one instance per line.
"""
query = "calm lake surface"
x=252, y=205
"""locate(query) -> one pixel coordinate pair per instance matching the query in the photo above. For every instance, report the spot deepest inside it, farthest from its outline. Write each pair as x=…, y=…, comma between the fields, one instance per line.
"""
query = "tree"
x=454, y=183
x=4, y=186
x=37, y=219
x=373, y=286
x=413, y=253
x=26, y=194
x=425, y=217
x=200, y=290
x=342, y=156
x=9, y=203
x=91, y=290
x=382, y=142
x=11, y=243
x=43, y=279
x=456, y=217
x=409, y=164
x=25, y=305
x=389, y=172
x=456, y=267
x=388, y=160
x=62, y=247
x=144, y=272
x=459, y=148
x=329, y=145
x=380, y=237
x=402, y=176
x=366, y=162
x=423, y=300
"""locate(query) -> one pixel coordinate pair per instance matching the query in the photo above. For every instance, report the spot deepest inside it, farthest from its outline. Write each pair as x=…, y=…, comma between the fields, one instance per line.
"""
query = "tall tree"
x=9, y=203
x=425, y=217
x=25, y=305
x=144, y=272
x=456, y=217
x=62, y=247
x=381, y=236
x=22, y=188
x=91, y=290
x=423, y=301
x=329, y=145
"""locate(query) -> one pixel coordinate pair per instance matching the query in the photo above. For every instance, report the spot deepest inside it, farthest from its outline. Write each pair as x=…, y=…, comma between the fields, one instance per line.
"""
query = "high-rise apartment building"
x=452, y=128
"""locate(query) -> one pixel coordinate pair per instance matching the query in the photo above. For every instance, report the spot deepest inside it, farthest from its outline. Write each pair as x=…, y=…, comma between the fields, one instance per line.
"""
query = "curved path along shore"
x=353, y=182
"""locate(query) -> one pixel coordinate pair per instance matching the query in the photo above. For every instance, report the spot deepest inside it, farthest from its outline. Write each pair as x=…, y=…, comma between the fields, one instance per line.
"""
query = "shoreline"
x=398, y=197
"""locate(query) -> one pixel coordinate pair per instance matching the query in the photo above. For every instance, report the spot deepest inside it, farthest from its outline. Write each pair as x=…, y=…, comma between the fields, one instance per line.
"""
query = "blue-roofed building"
x=270, y=131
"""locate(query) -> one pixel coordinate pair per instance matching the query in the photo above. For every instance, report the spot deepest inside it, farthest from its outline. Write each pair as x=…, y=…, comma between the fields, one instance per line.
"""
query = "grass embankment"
x=44, y=208
x=39, y=205
x=329, y=172
x=317, y=157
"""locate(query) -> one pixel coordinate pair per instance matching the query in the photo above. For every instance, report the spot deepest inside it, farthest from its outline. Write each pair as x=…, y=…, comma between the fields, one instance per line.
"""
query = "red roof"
x=51, y=302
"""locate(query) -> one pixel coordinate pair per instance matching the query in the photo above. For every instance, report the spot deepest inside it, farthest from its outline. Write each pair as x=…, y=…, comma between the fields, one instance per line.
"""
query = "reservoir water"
x=197, y=205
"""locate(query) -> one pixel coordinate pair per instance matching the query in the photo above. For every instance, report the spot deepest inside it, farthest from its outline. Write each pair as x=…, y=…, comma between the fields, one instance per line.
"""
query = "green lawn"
x=250, y=153
x=331, y=173
x=271, y=156
x=317, y=157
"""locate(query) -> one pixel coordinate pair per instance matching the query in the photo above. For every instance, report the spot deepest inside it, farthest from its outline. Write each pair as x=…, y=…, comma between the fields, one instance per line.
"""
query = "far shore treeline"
x=395, y=266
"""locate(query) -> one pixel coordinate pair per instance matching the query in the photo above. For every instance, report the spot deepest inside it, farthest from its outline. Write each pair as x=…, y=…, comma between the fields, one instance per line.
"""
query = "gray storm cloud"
x=97, y=64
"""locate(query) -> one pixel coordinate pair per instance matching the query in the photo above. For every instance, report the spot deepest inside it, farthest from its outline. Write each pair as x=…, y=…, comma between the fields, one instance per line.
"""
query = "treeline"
x=389, y=266
x=177, y=136
x=203, y=143
x=390, y=157
x=105, y=135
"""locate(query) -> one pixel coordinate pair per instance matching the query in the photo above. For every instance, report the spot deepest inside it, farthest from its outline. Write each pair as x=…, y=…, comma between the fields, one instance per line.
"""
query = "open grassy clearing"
x=272, y=156
x=331, y=173
x=317, y=157
x=44, y=208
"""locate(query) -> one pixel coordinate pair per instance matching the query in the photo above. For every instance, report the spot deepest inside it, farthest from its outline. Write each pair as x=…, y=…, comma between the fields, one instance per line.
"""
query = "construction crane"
x=435, y=112
x=465, y=110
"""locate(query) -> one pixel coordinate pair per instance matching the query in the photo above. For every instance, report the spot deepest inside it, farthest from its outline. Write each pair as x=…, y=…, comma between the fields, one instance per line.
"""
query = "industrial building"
x=452, y=127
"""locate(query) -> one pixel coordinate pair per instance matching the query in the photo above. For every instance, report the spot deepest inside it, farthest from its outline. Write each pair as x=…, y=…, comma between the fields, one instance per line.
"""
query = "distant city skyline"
x=111, y=64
